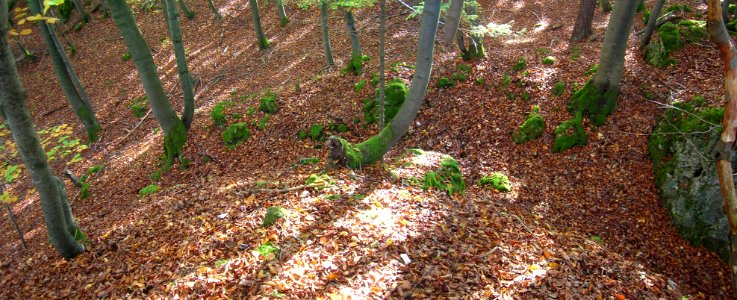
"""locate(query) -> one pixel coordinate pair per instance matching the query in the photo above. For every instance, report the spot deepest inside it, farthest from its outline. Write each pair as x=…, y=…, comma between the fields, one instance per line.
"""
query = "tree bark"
x=185, y=78
x=651, y=24
x=283, y=20
x=214, y=10
x=72, y=88
x=174, y=131
x=373, y=149
x=724, y=148
x=185, y=10
x=263, y=42
x=606, y=6
x=452, y=21
x=582, y=29
x=325, y=33
x=382, y=41
x=59, y=223
x=353, y=33
x=476, y=44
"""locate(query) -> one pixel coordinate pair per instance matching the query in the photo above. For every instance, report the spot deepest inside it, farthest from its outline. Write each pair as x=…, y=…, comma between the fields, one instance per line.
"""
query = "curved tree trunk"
x=325, y=33
x=59, y=223
x=724, y=148
x=651, y=25
x=184, y=77
x=373, y=149
x=73, y=90
x=185, y=10
x=582, y=29
x=476, y=44
x=263, y=42
x=452, y=21
x=174, y=131
x=283, y=20
x=214, y=10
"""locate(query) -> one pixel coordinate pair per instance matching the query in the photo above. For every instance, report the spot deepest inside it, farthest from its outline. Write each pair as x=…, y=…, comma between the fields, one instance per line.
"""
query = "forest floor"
x=583, y=224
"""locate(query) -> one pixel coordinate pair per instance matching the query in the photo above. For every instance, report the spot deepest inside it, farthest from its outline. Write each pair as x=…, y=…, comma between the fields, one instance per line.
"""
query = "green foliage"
x=148, y=190
x=525, y=96
x=505, y=81
x=322, y=180
x=65, y=10
x=359, y=85
x=559, y=88
x=395, y=93
x=592, y=70
x=267, y=250
x=272, y=214
x=84, y=191
x=250, y=111
x=670, y=36
x=521, y=64
x=267, y=103
x=575, y=53
x=236, y=134
x=355, y=64
x=497, y=181
x=569, y=134
x=531, y=128
x=678, y=8
x=309, y=161
x=549, y=60
x=302, y=134
x=217, y=114
x=126, y=57
x=316, y=132
x=448, y=178
x=262, y=123
x=480, y=81
x=139, y=106
x=445, y=82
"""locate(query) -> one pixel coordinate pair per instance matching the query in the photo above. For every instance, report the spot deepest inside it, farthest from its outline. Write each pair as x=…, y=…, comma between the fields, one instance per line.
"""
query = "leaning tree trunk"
x=185, y=10
x=452, y=21
x=174, y=131
x=382, y=54
x=476, y=44
x=373, y=149
x=651, y=25
x=355, y=65
x=73, y=90
x=263, y=42
x=60, y=224
x=185, y=78
x=325, y=33
x=582, y=29
x=606, y=6
x=724, y=148
x=214, y=10
x=283, y=20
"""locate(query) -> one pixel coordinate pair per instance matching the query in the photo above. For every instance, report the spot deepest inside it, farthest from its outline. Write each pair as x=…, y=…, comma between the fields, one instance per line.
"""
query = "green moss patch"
x=267, y=103
x=148, y=190
x=549, y=60
x=235, y=134
x=497, y=181
x=428, y=170
x=218, y=115
x=273, y=214
x=559, y=88
x=569, y=134
x=596, y=105
x=531, y=128
x=521, y=64
x=139, y=106
x=395, y=93
x=445, y=82
x=673, y=37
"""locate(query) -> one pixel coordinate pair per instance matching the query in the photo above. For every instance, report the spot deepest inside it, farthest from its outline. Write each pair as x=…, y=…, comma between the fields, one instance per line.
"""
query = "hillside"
x=583, y=224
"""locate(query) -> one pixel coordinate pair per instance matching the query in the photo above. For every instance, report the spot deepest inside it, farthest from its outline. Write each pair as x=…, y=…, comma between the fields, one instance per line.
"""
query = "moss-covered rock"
x=316, y=132
x=273, y=214
x=692, y=31
x=267, y=103
x=521, y=64
x=673, y=37
x=531, y=128
x=236, y=134
x=429, y=170
x=497, y=181
x=559, y=88
x=657, y=55
x=670, y=36
x=549, y=60
x=569, y=134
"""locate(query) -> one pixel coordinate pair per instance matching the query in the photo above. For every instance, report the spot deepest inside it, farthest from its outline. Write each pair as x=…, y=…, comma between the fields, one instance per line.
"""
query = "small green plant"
x=250, y=111
x=521, y=64
x=531, y=128
x=148, y=190
x=309, y=160
x=139, y=106
x=525, y=96
x=267, y=250
x=497, y=181
x=217, y=114
x=319, y=179
x=459, y=77
x=569, y=134
x=316, y=132
x=267, y=103
x=236, y=134
x=359, y=85
x=272, y=214
x=445, y=82
x=559, y=88
x=262, y=123
x=575, y=53
x=592, y=70
x=506, y=80
x=302, y=134
x=127, y=56
x=448, y=178
x=480, y=81
x=549, y=60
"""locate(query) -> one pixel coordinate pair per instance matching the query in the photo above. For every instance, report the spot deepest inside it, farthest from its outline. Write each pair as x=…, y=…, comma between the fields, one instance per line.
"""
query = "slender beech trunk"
x=476, y=44
x=214, y=10
x=606, y=6
x=60, y=224
x=373, y=149
x=72, y=88
x=174, y=131
x=724, y=148
x=185, y=10
x=382, y=53
x=175, y=32
x=582, y=29
x=263, y=42
x=350, y=23
x=325, y=33
x=651, y=25
x=283, y=20
x=452, y=22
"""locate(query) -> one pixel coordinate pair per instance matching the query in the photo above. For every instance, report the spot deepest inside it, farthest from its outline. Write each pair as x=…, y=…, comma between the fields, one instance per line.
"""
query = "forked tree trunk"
x=185, y=78
x=724, y=148
x=325, y=33
x=582, y=29
x=60, y=224
x=373, y=149
x=175, y=135
x=73, y=90
x=382, y=41
x=452, y=21
x=283, y=20
x=263, y=42
x=185, y=10
x=214, y=10
x=651, y=25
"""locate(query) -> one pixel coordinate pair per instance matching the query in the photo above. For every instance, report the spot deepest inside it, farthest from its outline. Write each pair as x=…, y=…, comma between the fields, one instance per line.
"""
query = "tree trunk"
x=355, y=65
x=174, y=131
x=606, y=6
x=214, y=10
x=185, y=10
x=382, y=41
x=476, y=44
x=325, y=33
x=582, y=29
x=78, y=5
x=263, y=42
x=452, y=21
x=184, y=77
x=373, y=149
x=283, y=20
x=73, y=90
x=724, y=148
x=59, y=223
x=651, y=25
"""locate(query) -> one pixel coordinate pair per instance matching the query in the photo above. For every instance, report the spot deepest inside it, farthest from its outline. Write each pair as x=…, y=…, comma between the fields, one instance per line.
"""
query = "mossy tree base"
x=569, y=134
x=356, y=156
x=174, y=144
x=596, y=104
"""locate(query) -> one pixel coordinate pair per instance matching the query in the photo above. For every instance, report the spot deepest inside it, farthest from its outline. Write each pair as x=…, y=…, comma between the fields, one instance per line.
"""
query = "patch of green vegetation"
x=221, y=262
x=531, y=128
x=595, y=104
x=272, y=214
x=521, y=64
x=525, y=96
x=309, y=160
x=459, y=77
x=575, y=53
x=302, y=134
x=267, y=103
x=592, y=70
x=316, y=132
x=464, y=68
x=569, y=134
x=217, y=114
x=445, y=82
x=139, y=106
x=236, y=134
x=497, y=181
x=395, y=94
x=355, y=64
x=559, y=88
x=262, y=123
x=448, y=178
x=359, y=85
x=319, y=179
x=506, y=81
x=126, y=57
x=148, y=190
x=480, y=81
x=673, y=37
x=267, y=250
x=250, y=111
x=678, y=8
x=549, y=60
